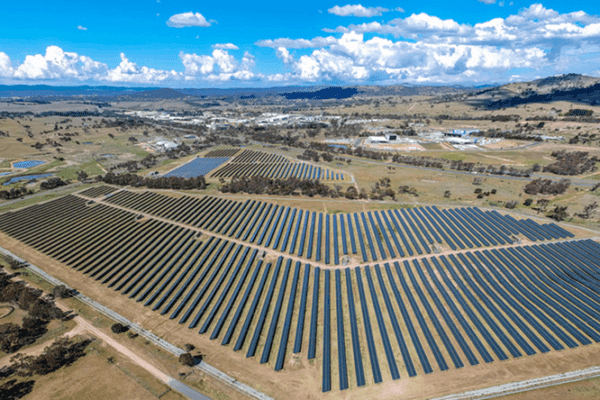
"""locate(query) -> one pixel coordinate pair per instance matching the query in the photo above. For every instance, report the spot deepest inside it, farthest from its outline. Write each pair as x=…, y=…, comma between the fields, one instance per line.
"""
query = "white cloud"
x=226, y=46
x=188, y=19
x=487, y=1
x=357, y=10
x=81, y=28
x=298, y=43
x=421, y=48
x=58, y=64
x=284, y=55
x=6, y=68
x=399, y=9
x=130, y=72
x=220, y=66
x=353, y=59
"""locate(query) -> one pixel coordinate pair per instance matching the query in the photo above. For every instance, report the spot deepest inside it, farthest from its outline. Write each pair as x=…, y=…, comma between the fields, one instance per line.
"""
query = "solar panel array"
x=257, y=163
x=26, y=178
x=98, y=191
x=222, y=153
x=28, y=164
x=361, y=325
x=327, y=238
x=197, y=167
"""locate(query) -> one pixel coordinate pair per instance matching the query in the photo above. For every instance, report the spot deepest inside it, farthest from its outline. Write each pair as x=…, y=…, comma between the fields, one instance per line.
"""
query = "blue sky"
x=177, y=43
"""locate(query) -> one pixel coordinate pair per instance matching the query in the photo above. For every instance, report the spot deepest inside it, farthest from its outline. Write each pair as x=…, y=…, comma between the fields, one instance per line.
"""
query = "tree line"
x=172, y=182
x=571, y=163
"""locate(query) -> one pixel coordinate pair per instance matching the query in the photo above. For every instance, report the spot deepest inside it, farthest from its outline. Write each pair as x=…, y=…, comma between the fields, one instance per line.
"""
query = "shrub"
x=118, y=328
x=186, y=359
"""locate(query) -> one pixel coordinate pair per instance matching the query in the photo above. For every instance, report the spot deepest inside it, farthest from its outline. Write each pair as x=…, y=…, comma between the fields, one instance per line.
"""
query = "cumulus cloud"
x=226, y=46
x=187, y=19
x=6, y=68
x=130, y=72
x=354, y=59
x=284, y=55
x=298, y=43
x=420, y=48
x=220, y=66
x=357, y=10
x=58, y=64
x=81, y=28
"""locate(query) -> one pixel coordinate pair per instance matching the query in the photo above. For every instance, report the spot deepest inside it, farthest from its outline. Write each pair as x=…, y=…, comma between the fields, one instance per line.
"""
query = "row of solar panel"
x=168, y=268
x=197, y=167
x=397, y=233
x=280, y=170
x=26, y=178
x=98, y=191
x=222, y=153
x=28, y=164
x=253, y=156
x=519, y=300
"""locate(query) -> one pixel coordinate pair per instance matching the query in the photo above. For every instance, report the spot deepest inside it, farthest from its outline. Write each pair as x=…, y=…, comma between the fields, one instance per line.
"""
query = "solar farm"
x=257, y=163
x=343, y=301
x=197, y=167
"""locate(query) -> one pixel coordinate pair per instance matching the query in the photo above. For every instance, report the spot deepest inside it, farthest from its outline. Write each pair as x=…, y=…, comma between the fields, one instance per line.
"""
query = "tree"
x=186, y=359
x=447, y=194
x=559, y=213
x=589, y=210
x=510, y=204
x=61, y=292
x=528, y=202
x=118, y=328
x=542, y=204
x=82, y=176
x=132, y=140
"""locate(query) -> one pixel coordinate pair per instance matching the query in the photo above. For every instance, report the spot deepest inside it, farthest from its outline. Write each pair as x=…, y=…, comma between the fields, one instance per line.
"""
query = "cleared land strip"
x=173, y=383
x=524, y=386
x=287, y=255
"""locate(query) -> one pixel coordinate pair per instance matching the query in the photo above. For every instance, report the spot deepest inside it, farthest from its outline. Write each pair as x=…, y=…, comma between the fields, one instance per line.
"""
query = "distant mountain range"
x=46, y=92
x=570, y=87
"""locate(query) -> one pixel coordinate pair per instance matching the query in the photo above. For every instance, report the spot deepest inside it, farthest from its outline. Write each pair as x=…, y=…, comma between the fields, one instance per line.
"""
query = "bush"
x=559, y=213
x=528, y=202
x=186, y=359
x=61, y=292
x=546, y=186
x=510, y=204
x=118, y=328
x=188, y=347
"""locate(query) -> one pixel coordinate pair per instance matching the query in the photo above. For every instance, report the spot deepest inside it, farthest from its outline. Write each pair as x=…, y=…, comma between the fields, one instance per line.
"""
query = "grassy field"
x=587, y=389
